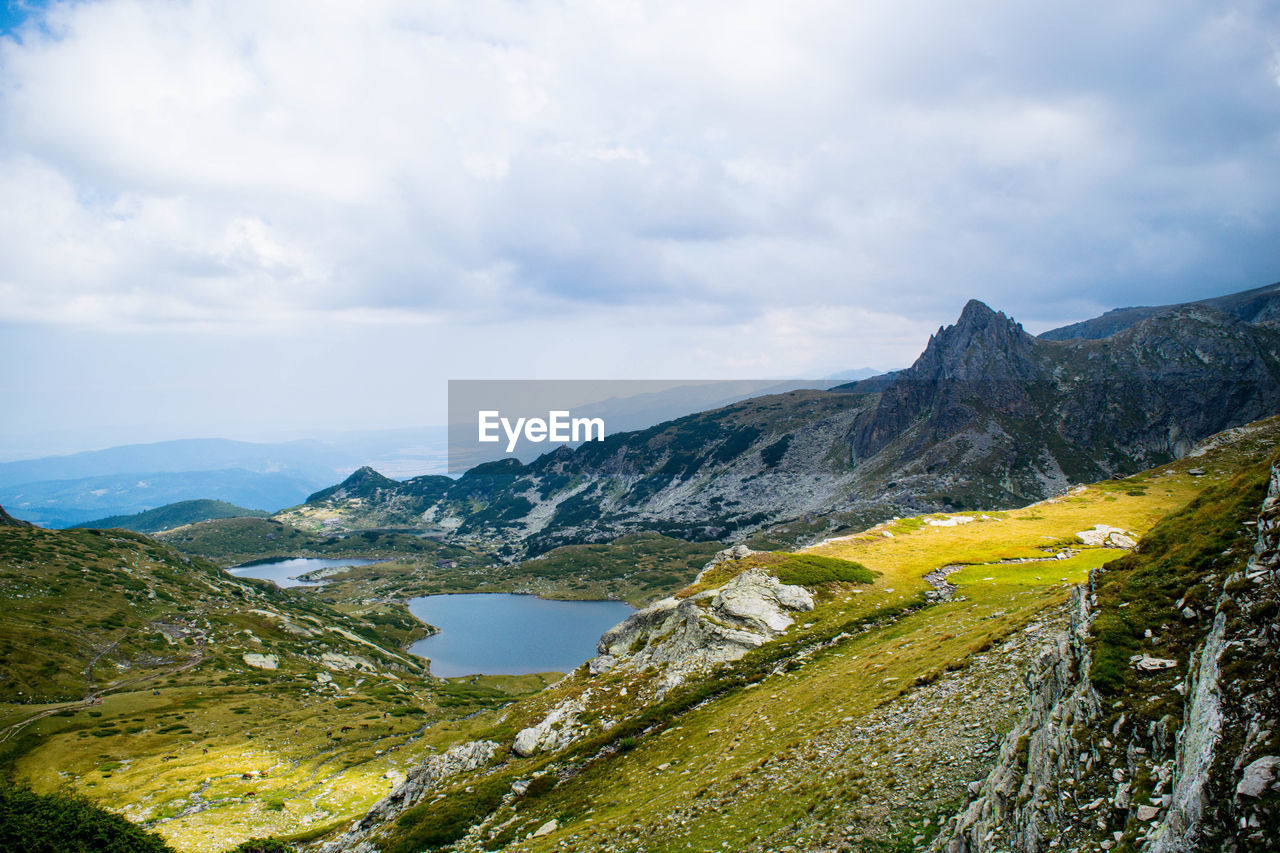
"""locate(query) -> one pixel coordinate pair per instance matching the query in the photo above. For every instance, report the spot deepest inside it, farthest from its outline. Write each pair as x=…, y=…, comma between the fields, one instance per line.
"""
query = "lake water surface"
x=497, y=633
x=282, y=572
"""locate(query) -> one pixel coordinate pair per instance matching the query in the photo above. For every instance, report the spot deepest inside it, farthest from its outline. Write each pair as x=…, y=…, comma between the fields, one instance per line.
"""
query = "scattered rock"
x=1258, y=776
x=260, y=661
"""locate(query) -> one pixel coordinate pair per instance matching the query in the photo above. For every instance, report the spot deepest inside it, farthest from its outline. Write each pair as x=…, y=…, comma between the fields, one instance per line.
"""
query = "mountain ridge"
x=1258, y=305
x=988, y=415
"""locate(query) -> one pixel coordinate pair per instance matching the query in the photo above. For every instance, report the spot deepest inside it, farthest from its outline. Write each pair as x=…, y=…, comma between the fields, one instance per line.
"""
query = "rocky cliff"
x=1182, y=752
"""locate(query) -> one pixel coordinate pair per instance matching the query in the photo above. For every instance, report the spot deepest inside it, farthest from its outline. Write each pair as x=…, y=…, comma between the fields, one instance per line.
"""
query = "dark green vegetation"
x=435, y=824
x=237, y=540
x=174, y=515
x=812, y=569
x=638, y=569
x=66, y=822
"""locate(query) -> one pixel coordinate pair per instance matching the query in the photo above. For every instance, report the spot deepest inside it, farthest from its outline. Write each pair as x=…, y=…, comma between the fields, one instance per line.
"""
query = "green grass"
x=864, y=646
x=1142, y=591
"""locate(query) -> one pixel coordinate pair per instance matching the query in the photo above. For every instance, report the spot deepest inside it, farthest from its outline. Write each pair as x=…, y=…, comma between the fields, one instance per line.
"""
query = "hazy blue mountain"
x=311, y=460
x=61, y=503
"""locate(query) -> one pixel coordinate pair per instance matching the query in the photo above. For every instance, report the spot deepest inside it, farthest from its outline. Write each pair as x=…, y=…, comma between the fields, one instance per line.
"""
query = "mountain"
x=1260, y=306
x=62, y=503
x=60, y=491
x=309, y=460
x=174, y=515
x=987, y=416
x=923, y=685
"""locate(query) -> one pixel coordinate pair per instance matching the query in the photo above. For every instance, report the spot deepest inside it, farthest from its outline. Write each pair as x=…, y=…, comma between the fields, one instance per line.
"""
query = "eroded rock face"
x=557, y=730
x=1017, y=805
x=419, y=782
x=696, y=633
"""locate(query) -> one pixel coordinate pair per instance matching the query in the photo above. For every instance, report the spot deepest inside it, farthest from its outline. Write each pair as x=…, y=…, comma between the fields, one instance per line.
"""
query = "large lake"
x=497, y=633
x=283, y=572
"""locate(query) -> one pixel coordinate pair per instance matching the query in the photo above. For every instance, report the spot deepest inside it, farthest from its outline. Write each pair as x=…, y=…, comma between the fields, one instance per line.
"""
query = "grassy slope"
x=174, y=515
x=727, y=750
x=146, y=704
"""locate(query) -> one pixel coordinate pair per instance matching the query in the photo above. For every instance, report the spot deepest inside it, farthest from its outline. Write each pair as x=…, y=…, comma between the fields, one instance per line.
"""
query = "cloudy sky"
x=265, y=219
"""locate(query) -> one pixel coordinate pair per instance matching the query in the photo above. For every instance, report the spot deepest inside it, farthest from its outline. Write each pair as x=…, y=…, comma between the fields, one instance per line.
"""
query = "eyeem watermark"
x=519, y=420
x=559, y=427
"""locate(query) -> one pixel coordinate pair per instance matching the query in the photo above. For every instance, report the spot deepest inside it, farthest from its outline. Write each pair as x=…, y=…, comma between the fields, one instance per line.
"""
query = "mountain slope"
x=1169, y=677
x=174, y=515
x=988, y=416
x=808, y=713
x=62, y=503
x=7, y=520
x=200, y=703
x=1260, y=305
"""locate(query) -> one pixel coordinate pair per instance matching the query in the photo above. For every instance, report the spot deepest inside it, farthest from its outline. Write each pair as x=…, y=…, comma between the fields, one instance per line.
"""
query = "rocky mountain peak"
x=363, y=482
x=982, y=344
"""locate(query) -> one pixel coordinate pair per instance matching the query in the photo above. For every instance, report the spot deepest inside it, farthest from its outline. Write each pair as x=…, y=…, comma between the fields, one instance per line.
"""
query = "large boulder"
x=696, y=633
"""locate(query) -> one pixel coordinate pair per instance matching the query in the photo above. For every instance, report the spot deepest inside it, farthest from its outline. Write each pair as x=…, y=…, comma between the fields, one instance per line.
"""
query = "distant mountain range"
x=61, y=491
x=988, y=416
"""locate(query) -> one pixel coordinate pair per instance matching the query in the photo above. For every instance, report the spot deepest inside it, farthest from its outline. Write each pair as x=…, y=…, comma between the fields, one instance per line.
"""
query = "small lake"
x=498, y=633
x=283, y=572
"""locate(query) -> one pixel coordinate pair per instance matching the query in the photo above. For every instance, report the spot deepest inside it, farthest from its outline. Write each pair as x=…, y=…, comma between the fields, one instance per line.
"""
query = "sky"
x=271, y=220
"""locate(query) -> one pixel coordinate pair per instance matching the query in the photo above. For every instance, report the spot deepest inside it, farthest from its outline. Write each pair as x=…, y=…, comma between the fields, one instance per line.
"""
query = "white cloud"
x=231, y=165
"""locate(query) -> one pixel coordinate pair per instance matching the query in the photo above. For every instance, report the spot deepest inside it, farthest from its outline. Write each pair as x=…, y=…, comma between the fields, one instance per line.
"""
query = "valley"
x=858, y=610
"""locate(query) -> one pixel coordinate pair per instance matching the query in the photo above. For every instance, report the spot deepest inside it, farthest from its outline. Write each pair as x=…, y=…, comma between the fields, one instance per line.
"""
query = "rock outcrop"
x=419, y=782
x=1020, y=802
x=693, y=634
x=557, y=730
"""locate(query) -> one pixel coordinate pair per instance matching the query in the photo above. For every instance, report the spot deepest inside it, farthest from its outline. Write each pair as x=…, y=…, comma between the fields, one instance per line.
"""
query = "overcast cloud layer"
x=486, y=188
